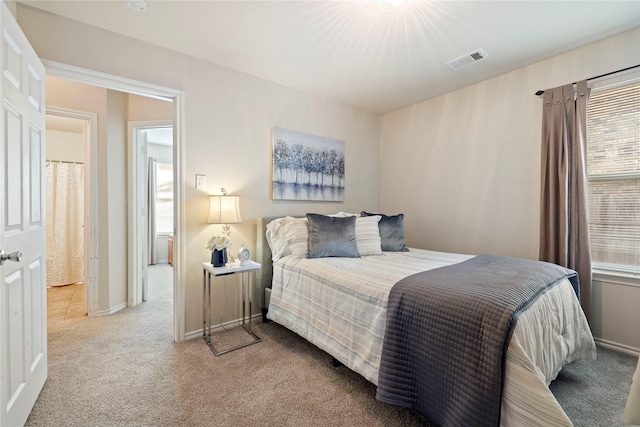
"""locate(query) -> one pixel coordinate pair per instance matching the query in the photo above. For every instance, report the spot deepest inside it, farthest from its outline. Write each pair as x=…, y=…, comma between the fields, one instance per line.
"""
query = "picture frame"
x=307, y=167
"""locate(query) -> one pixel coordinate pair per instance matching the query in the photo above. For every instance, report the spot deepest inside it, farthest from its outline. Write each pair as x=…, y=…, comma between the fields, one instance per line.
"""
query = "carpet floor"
x=125, y=370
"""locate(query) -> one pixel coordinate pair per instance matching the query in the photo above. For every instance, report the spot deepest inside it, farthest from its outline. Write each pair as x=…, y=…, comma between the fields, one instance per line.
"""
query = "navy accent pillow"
x=391, y=232
x=332, y=236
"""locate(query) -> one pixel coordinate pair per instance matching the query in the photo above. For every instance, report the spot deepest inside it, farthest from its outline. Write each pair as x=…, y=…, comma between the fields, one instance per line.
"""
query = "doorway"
x=116, y=83
x=151, y=200
x=71, y=139
x=65, y=200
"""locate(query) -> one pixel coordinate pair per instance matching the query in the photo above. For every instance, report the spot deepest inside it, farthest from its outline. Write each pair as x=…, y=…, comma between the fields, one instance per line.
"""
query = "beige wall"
x=66, y=146
x=116, y=167
x=143, y=108
x=228, y=122
x=465, y=167
x=616, y=312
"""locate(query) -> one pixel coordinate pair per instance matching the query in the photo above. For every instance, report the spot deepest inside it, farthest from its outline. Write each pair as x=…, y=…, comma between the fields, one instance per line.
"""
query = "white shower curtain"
x=65, y=223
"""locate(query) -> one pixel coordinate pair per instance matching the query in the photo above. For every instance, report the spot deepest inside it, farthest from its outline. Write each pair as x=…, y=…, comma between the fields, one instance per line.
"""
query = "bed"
x=338, y=300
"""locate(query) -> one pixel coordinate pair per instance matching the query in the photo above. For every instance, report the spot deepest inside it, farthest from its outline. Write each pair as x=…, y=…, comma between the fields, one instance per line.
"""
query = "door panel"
x=23, y=331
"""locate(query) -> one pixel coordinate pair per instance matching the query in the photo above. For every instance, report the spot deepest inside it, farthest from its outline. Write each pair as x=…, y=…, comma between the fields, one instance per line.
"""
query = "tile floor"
x=65, y=302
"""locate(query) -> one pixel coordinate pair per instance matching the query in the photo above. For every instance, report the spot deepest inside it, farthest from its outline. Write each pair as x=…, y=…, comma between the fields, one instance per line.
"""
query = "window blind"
x=613, y=171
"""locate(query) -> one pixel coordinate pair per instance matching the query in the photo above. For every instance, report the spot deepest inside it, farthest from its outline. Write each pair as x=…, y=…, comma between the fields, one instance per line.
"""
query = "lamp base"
x=219, y=257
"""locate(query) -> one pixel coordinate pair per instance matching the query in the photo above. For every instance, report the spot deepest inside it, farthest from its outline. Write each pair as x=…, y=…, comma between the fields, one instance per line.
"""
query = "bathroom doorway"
x=67, y=137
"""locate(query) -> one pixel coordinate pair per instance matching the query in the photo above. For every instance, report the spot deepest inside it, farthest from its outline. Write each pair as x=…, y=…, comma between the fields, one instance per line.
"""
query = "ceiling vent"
x=138, y=5
x=468, y=59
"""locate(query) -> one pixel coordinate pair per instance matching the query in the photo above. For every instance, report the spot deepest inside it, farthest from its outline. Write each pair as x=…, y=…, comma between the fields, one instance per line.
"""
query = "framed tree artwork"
x=306, y=167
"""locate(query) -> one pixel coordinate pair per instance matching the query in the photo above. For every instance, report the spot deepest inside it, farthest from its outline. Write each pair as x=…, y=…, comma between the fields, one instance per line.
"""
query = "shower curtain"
x=65, y=223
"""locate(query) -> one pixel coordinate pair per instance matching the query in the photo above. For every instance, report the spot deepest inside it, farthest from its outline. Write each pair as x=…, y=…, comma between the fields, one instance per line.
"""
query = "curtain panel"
x=152, y=246
x=65, y=223
x=564, y=225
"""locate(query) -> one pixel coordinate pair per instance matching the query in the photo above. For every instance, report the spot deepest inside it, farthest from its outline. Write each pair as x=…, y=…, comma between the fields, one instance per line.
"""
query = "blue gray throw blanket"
x=447, y=335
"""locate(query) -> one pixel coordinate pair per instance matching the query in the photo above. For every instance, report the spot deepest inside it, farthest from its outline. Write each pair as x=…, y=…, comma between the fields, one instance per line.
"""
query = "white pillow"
x=368, y=235
x=277, y=238
x=343, y=214
x=297, y=235
x=290, y=236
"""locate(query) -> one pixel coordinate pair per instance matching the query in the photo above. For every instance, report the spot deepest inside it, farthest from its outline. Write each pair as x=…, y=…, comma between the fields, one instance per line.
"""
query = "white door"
x=137, y=238
x=23, y=298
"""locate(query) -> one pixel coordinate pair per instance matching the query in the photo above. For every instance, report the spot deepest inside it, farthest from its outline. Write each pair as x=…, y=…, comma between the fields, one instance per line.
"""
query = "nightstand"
x=247, y=291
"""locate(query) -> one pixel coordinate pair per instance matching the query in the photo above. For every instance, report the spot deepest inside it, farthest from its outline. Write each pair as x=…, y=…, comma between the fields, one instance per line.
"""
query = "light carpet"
x=125, y=370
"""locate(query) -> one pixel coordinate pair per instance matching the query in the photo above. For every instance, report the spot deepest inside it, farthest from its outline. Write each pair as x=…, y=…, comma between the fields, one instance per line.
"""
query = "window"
x=164, y=198
x=613, y=173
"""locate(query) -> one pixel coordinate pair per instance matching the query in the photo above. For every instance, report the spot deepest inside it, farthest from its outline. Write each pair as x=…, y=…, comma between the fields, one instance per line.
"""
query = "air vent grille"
x=468, y=59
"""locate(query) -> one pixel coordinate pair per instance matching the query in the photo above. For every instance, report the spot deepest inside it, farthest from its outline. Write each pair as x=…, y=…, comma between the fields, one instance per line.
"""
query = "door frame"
x=122, y=84
x=138, y=256
x=90, y=215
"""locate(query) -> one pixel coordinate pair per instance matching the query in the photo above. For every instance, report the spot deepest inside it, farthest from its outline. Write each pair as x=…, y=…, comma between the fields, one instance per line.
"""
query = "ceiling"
x=362, y=53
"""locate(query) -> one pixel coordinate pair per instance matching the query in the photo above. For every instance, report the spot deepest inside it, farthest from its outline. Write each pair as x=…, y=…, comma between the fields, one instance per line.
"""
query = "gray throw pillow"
x=391, y=232
x=332, y=236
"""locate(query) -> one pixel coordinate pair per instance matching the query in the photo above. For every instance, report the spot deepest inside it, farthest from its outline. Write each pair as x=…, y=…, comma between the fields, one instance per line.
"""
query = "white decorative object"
x=243, y=255
x=219, y=242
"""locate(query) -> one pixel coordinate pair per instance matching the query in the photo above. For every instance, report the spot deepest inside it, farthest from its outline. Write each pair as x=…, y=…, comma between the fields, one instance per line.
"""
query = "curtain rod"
x=64, y=161
x=540, y=92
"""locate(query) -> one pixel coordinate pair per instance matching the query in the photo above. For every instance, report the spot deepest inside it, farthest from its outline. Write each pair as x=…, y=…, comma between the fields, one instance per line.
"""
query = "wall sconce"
x=224, y=210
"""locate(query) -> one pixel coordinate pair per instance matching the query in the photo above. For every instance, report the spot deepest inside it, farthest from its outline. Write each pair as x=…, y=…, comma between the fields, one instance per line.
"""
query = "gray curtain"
x=564, y=226
x=152, y=247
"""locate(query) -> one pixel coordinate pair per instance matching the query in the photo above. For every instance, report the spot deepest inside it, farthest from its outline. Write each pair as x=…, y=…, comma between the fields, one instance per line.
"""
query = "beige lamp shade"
x=224, y=210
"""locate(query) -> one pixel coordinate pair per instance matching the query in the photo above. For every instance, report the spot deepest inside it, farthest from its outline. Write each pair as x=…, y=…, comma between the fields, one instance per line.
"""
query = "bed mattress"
x=339, y=305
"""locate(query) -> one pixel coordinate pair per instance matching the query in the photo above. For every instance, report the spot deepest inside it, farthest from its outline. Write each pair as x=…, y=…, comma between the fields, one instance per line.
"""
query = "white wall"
x=465, y=167
x=228, y=122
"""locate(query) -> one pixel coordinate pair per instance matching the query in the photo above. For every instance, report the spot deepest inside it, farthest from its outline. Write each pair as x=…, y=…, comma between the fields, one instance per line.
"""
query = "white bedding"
x=339, y=304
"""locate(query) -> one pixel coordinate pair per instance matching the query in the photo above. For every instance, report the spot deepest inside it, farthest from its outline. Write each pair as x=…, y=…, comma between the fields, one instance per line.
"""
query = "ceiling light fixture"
x=389, y=4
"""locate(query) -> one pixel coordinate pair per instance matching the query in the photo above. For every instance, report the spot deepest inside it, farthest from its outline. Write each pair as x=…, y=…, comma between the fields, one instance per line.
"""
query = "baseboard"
x=111, y=310
x=256, y=318
x=617, y=346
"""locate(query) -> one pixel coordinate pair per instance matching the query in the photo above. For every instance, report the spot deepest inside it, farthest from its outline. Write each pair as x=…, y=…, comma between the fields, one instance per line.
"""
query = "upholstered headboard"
x=263, y=256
